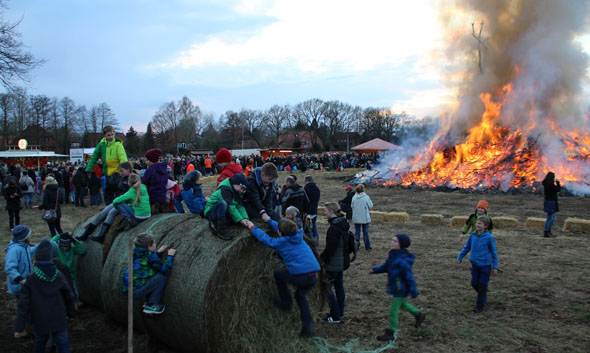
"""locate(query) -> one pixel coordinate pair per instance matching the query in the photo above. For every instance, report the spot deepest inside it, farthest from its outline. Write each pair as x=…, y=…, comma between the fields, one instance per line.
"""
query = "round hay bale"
x=459, y=221
x=535, y=223
x=577, y=225
x=219, y=295
x=431, y=219
x=89, y=269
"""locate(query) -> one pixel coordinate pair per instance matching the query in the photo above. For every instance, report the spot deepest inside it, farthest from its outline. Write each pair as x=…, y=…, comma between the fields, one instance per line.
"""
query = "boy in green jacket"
x=68, y=248
x=226, y=205
x=480, y=211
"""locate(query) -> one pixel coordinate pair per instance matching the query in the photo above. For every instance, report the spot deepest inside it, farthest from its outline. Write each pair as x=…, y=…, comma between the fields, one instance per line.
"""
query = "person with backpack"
x=27, y=186
x=336, y=259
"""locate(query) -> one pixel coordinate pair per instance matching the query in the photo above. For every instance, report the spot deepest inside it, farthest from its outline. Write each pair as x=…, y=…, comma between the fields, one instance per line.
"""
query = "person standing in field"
x=112, y=153
x=12, y=193
x=551, y=187
x=480, y=210
x=361, y=217
x=52, y=200
x=208, y=166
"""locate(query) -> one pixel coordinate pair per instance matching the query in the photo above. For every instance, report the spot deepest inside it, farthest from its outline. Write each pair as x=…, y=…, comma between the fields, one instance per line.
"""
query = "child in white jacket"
x=361, y=204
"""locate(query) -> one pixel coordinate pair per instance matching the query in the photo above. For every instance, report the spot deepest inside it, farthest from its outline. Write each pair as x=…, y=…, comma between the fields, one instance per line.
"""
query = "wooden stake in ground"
x=130, y=299
x=479, y=43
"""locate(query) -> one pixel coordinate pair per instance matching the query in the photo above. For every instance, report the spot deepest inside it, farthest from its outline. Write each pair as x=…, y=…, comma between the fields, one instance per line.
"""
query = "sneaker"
x=333, y=320
x=419, y=319
x=155, y=309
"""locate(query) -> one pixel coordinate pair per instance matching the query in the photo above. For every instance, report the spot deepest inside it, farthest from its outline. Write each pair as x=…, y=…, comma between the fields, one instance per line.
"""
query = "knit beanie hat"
x=43, y=250
x=153, y=155
x=348, y=188
x=65, y=243
x=20, y=233
x=239, y=179
x=223, y=156
x=483, y=204
x=404, y=240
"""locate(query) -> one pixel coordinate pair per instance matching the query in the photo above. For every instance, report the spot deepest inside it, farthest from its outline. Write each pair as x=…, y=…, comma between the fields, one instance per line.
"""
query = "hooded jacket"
x=470, y=223
x=12, y=203
x=296, y=196
x=400, y=280
x=483, y=250
x=141, y=210
x=296, y=254
x=226, y=192
x=67, y=257
x=258, y=195
x=361, y=203
x=336, y=254
x=49, y=194
x=313, y=194
x=193, y=198
x=146, y=264
x=112, y=154
x=19, y=264
x=156, y=179
x=229, y=171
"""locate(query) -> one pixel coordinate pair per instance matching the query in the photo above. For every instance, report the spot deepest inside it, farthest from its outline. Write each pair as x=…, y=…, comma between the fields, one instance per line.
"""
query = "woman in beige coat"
x=361, y=204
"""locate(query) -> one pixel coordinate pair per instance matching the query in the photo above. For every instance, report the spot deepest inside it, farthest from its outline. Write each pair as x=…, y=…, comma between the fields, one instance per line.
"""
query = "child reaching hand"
x=484, y=260
x=400, y=284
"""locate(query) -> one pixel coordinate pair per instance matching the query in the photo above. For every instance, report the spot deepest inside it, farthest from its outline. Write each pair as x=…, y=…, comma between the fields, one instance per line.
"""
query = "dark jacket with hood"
x=551, y=190
x=296, y=196
x=156, y=179
x=258, y=195
x=49, y=194
x=313, y=194
x=12, y=203
x=336, y=254
x=400, y=280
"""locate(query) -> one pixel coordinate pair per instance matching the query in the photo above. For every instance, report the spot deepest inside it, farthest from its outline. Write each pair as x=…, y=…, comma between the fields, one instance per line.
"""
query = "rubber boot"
x=103, y=230
x=87, y=231
x=222, y=231
x=546, y=234
x=389, y=335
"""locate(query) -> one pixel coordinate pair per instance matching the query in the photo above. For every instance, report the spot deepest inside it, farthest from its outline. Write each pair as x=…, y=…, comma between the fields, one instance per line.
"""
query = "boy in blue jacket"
x=191, y=193
x=484, y=260
x=400, y=284
x=301, y=271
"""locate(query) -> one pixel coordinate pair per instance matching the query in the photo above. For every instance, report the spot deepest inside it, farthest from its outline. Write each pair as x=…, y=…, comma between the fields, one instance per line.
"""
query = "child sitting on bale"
x=134, y=205
x=484, y=259
x=225, y=206
x=480, y=210
x=301, y=271
x=400, y=283
x=150, y=274
x=191, y=194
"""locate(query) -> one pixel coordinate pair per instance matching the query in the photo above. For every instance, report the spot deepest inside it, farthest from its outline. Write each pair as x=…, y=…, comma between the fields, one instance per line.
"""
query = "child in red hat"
x=227, y=167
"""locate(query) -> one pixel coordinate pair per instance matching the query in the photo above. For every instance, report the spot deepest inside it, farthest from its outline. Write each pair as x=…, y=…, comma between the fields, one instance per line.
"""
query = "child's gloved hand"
x=414, y=293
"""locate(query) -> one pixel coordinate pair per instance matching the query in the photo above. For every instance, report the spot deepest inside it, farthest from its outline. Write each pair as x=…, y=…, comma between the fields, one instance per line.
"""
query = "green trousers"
x=396, y=304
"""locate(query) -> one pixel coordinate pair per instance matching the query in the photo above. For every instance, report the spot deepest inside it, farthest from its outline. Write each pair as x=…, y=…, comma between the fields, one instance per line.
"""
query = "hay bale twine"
x=377, y=216
x=219, y=295
x=505, y=222
x=459, y=221
x=576, y=225
x=431, y=219
x=396, y=217
x=535, y=223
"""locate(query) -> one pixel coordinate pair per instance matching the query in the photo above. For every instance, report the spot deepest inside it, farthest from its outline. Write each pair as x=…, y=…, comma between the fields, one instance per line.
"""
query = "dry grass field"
x=540, y=302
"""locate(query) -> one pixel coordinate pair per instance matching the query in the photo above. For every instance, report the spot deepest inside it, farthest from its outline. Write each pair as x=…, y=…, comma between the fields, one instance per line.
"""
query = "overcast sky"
x=136, y=55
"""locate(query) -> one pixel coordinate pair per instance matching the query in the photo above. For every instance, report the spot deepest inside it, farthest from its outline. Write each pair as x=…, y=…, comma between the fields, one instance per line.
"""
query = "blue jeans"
x=28, y=198
x=80, y=193
x=219, y=213
x=549, y=222
x=304, y=283
x=127, y=212
x=357, y=234
x=59, y=337
x=480, y=277
x=313, y=232
x=337, y=295
x=107, y=214
x=95, y=199
x=152, y=289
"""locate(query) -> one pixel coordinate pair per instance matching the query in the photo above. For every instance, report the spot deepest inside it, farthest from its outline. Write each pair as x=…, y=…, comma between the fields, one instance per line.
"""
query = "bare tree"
x=67, y=109
x=6, y=107
x=191, y=122
x=41, y=106
x=165, y=124
x=21, y=109
x=15, y=62
x=105, y=116
x=310, y=113
x=252, y=124
x=277, y=118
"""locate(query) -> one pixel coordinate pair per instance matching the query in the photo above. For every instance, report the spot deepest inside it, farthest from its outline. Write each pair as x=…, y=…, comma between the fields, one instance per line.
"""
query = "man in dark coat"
x=258, y=197
x=313, y=193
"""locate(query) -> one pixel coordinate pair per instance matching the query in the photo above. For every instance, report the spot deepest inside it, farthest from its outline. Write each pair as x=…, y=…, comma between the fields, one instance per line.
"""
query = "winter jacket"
x=94, y=185
x=146, y=264
x=67, y=257
x=156, y=179
x=141, y=210
x=313, y=194
x=336, y=254
x=550, y=190
x=470, y=223
x=294, y=251
x=80, y=179
x=229, y=171
x=12, y=202
x=49, y=194
x=296, y=196
x=257, y=194
x=123, y=185
x=46, y=299
x=30, y=184
x=193, y=198
x=400, y=280
x=346, y=204
x=19, y=264
x=112, y=154
x=483, y=250
x=226, y=192
x=361, y=203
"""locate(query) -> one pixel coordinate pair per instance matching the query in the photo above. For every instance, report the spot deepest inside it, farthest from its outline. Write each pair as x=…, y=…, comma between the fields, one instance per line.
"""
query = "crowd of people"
x=137, y=190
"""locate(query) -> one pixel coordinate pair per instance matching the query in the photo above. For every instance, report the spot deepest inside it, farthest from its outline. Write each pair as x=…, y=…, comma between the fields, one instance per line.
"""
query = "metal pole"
x=130, y=300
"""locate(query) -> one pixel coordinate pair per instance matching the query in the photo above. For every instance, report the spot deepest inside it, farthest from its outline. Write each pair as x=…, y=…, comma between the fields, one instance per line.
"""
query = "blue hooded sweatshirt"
x=192, y=194
x=19, y=264
x=294, y=251
x=483, y=250
x=400, y=280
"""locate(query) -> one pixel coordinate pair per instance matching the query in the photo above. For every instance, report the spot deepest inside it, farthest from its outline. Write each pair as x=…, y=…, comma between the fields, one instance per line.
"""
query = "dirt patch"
x=539, y=303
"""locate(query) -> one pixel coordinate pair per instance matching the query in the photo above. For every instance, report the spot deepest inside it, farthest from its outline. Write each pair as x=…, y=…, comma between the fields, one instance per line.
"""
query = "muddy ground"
x=540, y=302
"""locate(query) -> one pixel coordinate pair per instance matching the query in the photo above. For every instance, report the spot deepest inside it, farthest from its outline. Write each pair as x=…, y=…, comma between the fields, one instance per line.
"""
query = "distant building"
x=288, y=140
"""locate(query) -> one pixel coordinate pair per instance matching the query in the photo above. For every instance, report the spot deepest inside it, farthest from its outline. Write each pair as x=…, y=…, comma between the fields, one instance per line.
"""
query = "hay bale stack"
x=219, y=296
x=377, y=216
x=576, y=225
x=535, y=223
x=459, y=221
x=432, y=219
x=396, y=217
x=505, y=222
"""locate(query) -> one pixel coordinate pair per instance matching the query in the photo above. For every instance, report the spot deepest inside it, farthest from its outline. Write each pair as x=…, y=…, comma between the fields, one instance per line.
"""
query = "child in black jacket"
x=46, y=298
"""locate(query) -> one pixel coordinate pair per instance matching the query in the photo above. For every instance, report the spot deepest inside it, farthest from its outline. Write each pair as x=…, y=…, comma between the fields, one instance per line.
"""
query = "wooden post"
x=130, y=299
